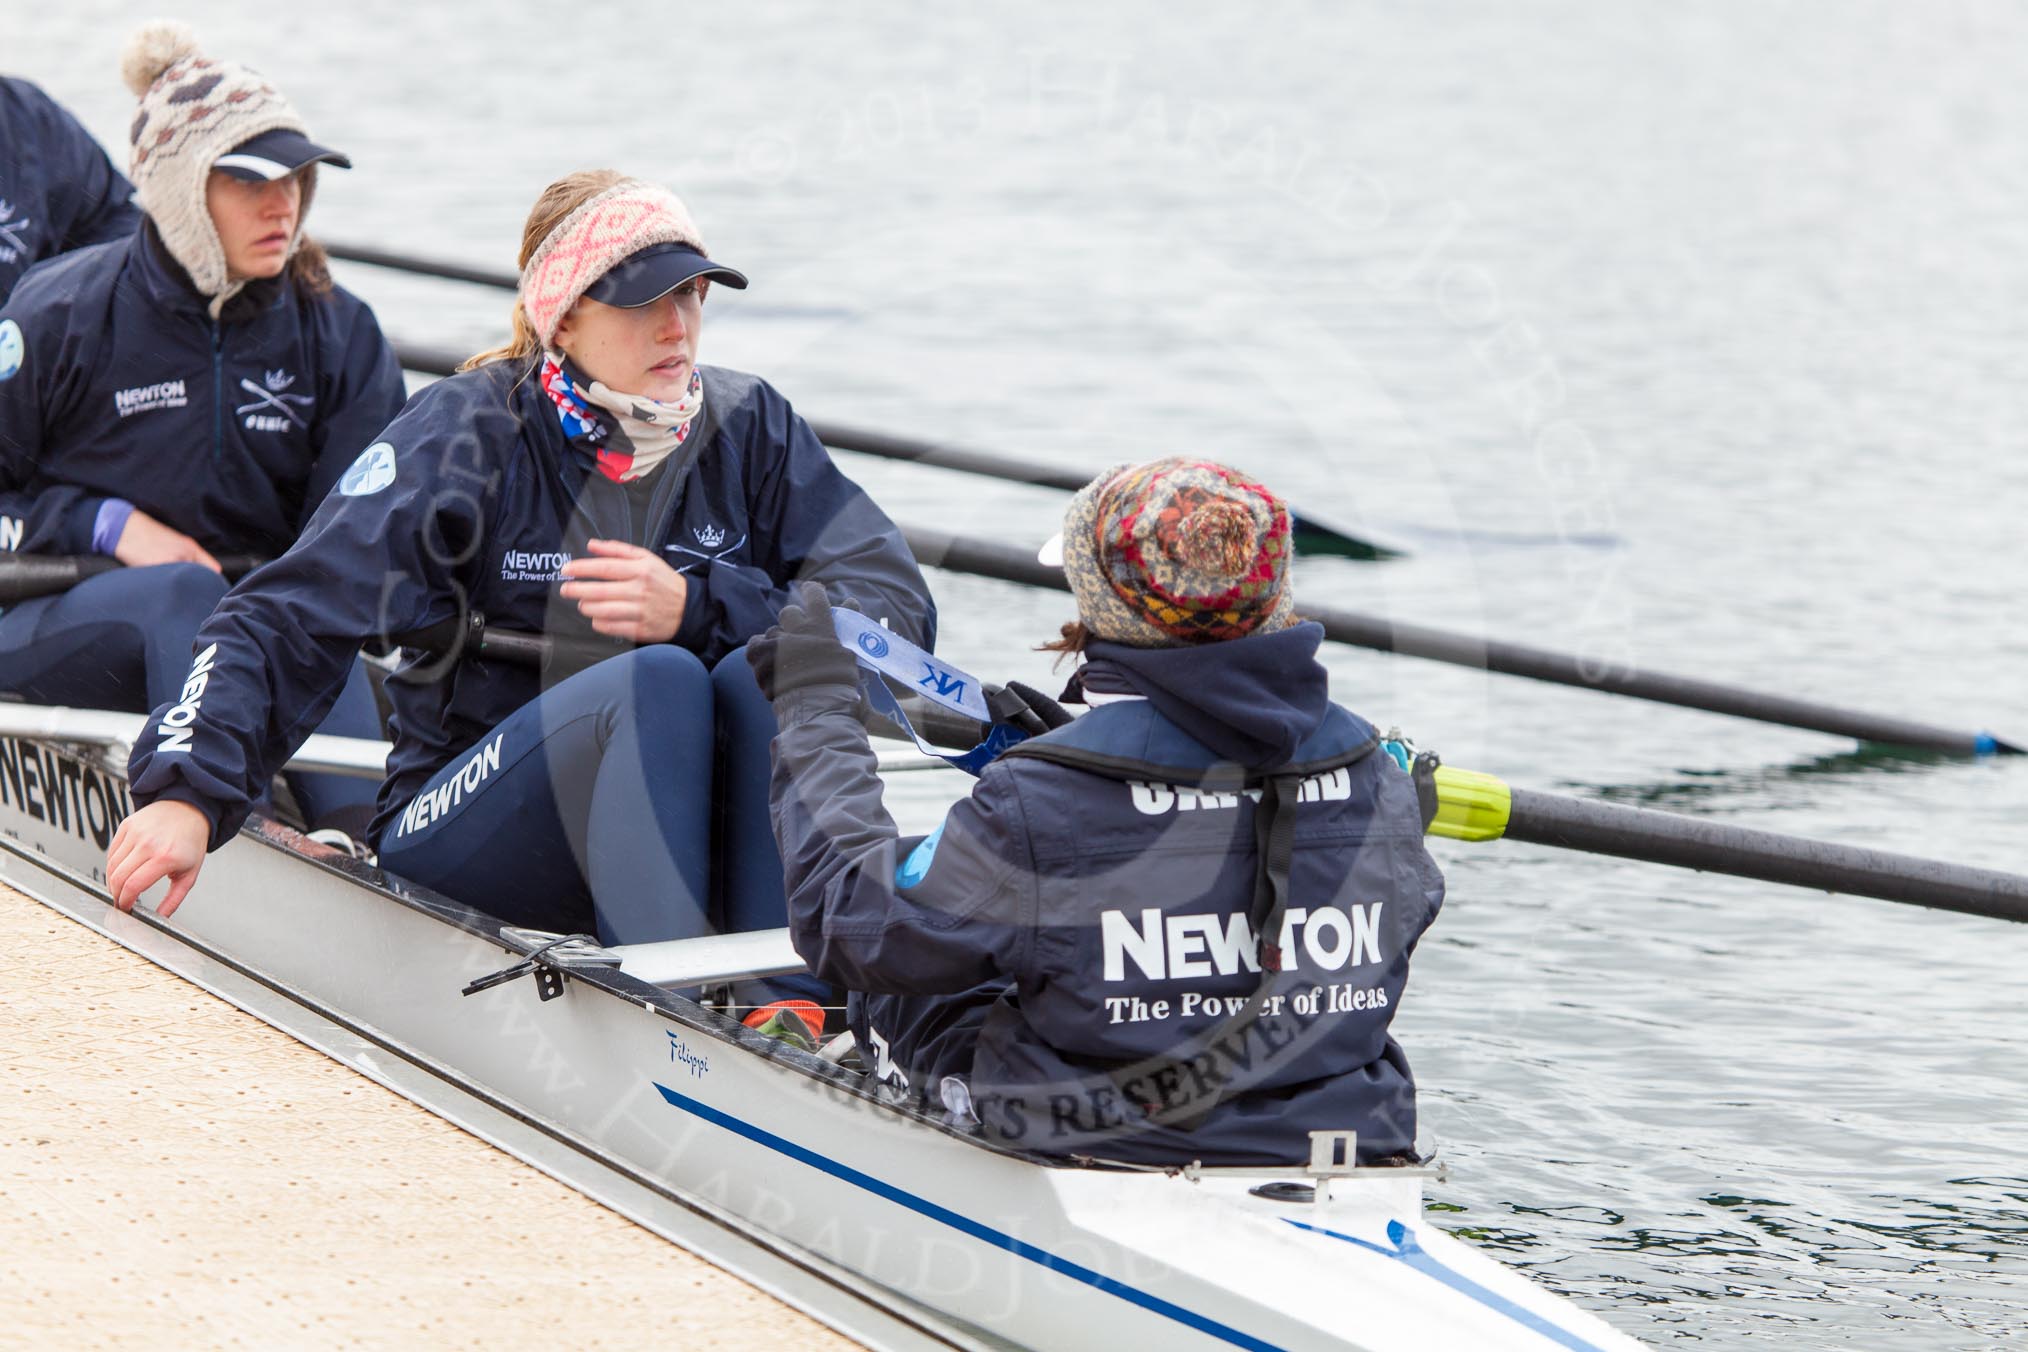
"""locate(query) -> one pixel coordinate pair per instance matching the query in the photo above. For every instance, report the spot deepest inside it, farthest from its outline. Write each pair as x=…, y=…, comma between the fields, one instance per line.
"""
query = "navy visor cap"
x=276, y=154
x=652, y=273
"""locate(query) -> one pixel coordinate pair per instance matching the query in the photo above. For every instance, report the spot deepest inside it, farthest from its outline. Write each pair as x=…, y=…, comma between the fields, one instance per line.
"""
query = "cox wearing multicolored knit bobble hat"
x=184, y=394
x=1173, y=929
x=592, y=481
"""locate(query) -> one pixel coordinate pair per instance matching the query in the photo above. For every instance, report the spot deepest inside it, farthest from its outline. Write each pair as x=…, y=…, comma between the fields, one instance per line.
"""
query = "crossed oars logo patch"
x=270, y=399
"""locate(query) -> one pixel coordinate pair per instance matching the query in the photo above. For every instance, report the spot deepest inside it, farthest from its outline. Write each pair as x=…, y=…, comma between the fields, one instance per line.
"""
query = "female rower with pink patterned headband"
x=591, y=482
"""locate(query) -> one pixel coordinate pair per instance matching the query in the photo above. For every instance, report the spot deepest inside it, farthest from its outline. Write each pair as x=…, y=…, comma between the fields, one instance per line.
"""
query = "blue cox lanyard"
x=881, y=652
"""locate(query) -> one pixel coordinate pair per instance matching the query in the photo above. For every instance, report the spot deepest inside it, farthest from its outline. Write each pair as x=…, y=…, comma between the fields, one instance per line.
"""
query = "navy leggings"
x=590, y=808
x=123, y=641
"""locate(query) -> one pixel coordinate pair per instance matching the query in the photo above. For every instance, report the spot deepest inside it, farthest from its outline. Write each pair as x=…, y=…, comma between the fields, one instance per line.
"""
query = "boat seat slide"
x=711, y=959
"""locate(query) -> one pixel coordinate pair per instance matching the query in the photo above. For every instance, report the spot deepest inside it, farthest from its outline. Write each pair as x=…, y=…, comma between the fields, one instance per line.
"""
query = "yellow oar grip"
x=1470, y=806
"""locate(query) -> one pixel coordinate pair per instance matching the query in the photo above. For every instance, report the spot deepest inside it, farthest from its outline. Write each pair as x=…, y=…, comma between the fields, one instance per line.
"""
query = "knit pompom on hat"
x=1177, y=552
x=194, y=109
x=153, y=48
x=585, y=245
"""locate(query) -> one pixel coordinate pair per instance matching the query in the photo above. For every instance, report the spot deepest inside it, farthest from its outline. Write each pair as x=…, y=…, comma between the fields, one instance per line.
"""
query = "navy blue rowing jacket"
x=474, y=499
x=58, y=191
x=1092, y=921
x=230, y=430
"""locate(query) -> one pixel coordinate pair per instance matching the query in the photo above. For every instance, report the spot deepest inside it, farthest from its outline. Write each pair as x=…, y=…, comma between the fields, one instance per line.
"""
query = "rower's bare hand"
x=144, y=540
x=627, y=591
x=162, y=840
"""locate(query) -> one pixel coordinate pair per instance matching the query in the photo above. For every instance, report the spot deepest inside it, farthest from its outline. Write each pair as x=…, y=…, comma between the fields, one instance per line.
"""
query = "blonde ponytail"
x=557, y=201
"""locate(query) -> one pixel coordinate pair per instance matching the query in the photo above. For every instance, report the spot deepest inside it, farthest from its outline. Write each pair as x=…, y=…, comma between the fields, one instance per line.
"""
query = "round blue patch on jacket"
x=11, y=348
x=371, y=472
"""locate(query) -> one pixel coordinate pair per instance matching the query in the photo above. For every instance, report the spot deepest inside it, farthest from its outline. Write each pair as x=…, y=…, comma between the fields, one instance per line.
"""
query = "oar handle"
x=470, y=636
x=1470, y=806
x=23, y=577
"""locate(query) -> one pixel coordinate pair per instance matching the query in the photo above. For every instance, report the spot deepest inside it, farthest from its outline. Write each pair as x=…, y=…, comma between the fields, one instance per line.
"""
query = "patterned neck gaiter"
x=630, y=434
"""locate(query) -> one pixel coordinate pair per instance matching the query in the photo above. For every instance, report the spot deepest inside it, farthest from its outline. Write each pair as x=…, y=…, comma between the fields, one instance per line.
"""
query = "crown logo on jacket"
x=711, y=537
x=277, y=380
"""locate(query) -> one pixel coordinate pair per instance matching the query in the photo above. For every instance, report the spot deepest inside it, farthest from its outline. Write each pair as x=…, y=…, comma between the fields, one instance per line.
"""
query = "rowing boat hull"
x=978, y=1246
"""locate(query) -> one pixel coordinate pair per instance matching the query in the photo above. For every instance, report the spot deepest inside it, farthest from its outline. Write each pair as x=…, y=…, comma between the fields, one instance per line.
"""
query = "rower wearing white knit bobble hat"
x=221, y=164
x=590, y=481
x=183, y=395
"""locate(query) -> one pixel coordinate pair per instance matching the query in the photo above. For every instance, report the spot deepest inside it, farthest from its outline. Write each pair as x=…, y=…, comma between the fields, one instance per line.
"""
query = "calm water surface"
x=1689, y=339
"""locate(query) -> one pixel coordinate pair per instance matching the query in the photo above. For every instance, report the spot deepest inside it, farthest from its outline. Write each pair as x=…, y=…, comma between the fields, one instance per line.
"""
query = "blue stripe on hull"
x=1408, y=1251
x=966, y=1225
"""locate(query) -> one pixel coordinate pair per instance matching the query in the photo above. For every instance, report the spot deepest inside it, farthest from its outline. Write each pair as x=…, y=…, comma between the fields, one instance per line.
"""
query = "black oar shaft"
x=23, y=577
x=436, y=361
x=26, y=576
x=1716, y=847
x=426, y=267
x=1006, y=467
x=472, y=637
x=429, y=361
x=1541, y=664
x=983, y=558
x=987, y=558
x=1311, y=537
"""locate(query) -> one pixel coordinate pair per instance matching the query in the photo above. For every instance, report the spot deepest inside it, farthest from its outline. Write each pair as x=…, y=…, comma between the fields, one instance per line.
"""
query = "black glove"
x=803, y=650
x=1026, y=708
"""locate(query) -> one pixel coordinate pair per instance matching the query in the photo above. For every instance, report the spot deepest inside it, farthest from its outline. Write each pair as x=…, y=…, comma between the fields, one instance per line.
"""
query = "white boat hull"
x=798, y=1153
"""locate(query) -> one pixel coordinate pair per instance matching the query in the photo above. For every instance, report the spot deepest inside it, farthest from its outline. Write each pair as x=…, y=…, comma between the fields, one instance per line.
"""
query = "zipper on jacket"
x=669, y=494
x=217, y=390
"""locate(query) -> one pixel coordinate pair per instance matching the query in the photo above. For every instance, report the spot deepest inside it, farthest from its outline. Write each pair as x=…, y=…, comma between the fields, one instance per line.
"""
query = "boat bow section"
x=1358, y=1269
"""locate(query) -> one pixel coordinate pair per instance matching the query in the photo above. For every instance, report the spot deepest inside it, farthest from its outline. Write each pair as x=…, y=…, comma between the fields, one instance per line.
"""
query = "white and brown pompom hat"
x=198, y=113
